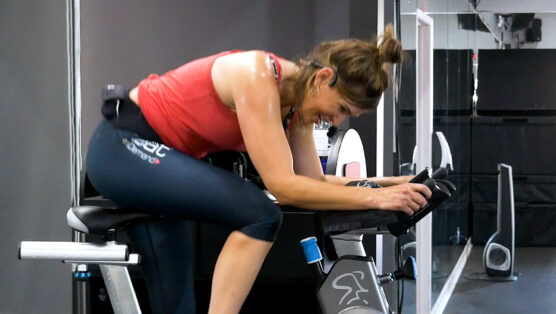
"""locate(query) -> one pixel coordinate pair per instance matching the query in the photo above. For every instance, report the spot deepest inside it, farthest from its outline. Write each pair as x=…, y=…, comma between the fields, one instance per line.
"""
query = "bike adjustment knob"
x=408, y=271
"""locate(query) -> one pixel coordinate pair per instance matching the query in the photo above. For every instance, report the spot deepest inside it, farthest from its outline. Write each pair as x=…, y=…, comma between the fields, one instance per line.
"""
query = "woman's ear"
x=334, y=79
x=326, y=75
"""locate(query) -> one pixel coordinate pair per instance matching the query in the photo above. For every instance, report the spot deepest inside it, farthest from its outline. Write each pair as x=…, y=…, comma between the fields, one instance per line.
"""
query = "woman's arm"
x=390, y=181
x=306, y=161
x=382, y=181
x=257, y=104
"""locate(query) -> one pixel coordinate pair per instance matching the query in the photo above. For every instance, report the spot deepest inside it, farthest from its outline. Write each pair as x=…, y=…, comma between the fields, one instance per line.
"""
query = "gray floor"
x=444, y=259
x=533, y=292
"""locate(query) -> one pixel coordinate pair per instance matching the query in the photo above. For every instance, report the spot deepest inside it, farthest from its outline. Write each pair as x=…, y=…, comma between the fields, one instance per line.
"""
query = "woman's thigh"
x=151, y=177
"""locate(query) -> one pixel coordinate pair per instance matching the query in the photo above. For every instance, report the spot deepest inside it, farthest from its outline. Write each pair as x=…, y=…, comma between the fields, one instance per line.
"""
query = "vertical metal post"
x=74, y=95
x=424, y=117
x=73, y=38
x=380, y=137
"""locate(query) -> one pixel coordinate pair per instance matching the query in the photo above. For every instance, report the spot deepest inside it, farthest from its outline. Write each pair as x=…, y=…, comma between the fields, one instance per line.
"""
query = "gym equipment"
x=348, y=280
x=112, y=257
x=101, y=219
x=499, y=250
x=351, y=284
x=498, y=254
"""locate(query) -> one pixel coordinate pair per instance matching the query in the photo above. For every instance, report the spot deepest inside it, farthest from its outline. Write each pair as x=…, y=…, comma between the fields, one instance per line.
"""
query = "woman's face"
x=324, y=102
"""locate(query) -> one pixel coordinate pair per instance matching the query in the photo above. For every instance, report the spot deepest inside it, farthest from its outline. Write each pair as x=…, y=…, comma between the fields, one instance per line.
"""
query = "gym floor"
x=533, y=292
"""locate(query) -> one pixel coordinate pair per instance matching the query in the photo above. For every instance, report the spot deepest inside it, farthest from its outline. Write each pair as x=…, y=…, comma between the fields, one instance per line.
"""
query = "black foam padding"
x=525, y=142
x=527, y=189
x=534, y=223
x=516, y=80
x=453, y=81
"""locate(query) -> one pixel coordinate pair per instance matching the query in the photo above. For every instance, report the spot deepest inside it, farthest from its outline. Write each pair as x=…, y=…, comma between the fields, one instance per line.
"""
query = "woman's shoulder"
x=236, y=71
x=248, y=58
x=254, y=63
x=251, y=64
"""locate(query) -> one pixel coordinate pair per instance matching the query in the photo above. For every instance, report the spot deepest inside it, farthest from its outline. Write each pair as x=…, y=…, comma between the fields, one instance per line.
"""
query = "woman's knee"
x=266, y=227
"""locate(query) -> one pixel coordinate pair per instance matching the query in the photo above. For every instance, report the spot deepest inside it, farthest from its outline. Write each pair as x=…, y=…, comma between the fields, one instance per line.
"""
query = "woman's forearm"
x=383, y=181
x=305, y=192
x=338, y=180
x=389, y=181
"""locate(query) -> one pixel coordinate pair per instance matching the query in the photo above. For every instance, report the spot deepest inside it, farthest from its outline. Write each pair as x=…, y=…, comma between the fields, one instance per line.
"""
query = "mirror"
x=491, y=61
x=454, y=46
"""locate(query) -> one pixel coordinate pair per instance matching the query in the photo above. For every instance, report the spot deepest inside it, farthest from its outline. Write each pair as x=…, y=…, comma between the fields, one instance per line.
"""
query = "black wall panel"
x=453, y=82
x=534, y=224
x=526, y=143
x=527, y=189
x=516, y=80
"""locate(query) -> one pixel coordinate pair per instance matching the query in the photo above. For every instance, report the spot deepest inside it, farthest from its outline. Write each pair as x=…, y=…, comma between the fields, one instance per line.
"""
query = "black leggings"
x=148, y=176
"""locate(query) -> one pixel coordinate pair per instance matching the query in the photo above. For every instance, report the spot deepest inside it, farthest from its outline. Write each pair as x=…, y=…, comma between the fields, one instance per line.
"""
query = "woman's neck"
x=287, y=94
x=288, y=97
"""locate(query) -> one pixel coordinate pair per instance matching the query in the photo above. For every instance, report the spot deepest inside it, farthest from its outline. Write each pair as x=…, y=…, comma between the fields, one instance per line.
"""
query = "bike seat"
x=97, y=219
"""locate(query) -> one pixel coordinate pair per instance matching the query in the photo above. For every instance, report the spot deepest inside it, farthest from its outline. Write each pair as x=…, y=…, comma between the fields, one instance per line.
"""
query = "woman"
x=251, y=101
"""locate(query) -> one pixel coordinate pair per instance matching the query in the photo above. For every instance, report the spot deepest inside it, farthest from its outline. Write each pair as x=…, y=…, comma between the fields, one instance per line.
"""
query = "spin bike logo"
x=350, y=284
x=149, y=151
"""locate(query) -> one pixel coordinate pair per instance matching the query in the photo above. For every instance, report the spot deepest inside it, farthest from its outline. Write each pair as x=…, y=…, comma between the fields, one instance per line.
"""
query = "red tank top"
x=184, y=109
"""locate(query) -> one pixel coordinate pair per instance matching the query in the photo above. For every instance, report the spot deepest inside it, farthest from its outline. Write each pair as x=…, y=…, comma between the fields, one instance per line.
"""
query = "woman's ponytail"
x=389, y=49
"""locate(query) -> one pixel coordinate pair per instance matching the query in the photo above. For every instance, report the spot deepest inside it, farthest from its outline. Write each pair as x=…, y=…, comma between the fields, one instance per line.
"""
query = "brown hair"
x=362, y=68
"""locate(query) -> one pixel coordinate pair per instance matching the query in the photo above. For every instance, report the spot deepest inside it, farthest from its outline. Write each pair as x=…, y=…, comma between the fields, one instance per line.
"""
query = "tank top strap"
x=277, y=67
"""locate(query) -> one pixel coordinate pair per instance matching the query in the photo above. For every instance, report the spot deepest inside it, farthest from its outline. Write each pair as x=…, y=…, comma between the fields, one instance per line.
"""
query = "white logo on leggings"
x=144, y=149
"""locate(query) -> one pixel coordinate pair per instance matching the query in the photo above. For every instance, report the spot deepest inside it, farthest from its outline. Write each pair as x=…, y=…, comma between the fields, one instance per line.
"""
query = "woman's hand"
x=406, y=197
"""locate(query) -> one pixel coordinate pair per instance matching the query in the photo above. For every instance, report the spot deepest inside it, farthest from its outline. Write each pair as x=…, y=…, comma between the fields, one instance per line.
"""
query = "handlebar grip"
x=440, y=173
x=420, y=177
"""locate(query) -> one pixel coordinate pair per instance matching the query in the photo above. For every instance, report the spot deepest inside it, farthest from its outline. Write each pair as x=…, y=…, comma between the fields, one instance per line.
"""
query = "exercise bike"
x=99, y=218
x=348, y=281
x=351, y=284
